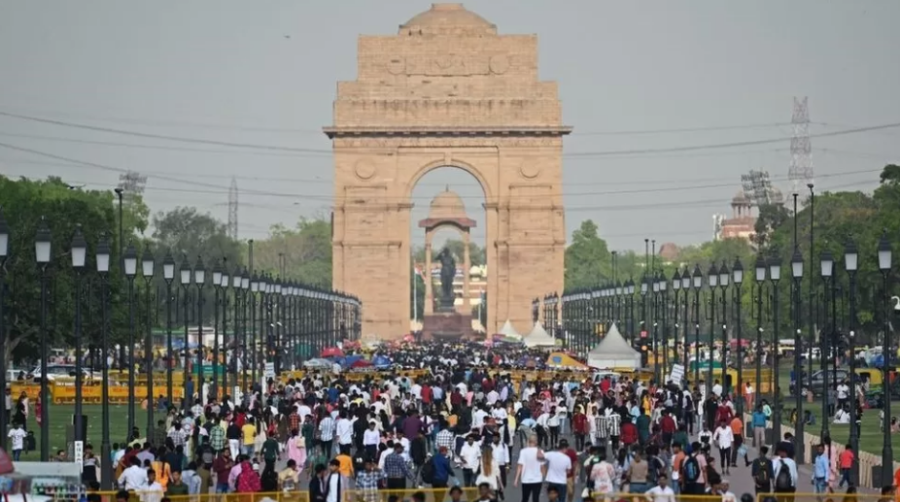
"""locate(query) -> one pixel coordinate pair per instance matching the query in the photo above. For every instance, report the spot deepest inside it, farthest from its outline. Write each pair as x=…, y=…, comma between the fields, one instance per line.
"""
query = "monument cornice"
x=441, y=132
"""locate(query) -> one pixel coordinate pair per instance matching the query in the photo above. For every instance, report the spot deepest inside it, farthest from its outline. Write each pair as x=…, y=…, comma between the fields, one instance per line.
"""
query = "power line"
x=680, y=130
x=312, y=150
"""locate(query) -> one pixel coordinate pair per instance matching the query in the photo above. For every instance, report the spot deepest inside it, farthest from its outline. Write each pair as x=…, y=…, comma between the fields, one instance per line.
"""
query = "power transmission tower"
x=233, y=209
x=801, y=170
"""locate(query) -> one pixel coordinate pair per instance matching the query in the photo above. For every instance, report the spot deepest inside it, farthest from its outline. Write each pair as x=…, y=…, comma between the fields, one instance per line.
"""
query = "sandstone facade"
x=447, y=90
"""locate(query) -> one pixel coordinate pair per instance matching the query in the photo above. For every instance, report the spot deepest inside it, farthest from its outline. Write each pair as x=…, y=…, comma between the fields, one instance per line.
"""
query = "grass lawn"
x=61, y=415
x=871, y=438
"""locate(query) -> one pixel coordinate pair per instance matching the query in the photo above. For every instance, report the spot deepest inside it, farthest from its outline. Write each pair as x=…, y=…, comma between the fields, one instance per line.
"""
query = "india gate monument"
x=447, y=90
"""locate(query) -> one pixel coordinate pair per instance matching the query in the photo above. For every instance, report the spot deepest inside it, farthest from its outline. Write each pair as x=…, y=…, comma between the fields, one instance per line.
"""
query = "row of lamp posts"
x=289, y=314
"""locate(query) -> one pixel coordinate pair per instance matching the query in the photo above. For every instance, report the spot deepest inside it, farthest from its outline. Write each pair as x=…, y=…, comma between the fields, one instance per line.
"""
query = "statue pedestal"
x=446, y=325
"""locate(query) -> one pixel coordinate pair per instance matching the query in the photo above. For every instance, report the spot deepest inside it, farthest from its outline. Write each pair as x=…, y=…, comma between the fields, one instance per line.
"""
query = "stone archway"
x=447, y=90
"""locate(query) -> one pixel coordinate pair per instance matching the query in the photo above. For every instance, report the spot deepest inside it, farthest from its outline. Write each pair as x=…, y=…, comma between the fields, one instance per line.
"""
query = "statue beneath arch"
x=448, y=274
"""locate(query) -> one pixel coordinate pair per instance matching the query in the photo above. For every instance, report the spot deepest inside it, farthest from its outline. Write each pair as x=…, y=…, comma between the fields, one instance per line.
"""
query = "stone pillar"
x=426, y=275
x=467, y=264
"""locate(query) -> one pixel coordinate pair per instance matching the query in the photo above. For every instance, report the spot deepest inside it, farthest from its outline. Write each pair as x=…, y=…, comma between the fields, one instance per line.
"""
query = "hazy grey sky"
x=265, y=73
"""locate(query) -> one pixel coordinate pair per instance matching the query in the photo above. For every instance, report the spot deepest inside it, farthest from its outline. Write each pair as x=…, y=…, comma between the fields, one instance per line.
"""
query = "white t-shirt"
x=724, y=436
x=558, y=466
x=843, y=391
x=659, y=494
x=531, y=466
x=18, y=438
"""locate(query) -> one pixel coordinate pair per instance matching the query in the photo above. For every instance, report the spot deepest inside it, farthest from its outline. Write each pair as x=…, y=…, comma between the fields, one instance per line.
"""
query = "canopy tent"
x=561, y=360
x=381, y=361
x=614, y=352
x=539, y=337
x=508, y=331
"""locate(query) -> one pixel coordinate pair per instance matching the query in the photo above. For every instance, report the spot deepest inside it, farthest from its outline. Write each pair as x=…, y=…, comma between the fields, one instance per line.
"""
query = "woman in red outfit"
x=580, y=426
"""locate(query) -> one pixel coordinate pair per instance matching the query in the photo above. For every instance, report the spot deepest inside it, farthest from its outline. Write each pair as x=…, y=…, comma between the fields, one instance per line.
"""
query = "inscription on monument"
x=447, y=66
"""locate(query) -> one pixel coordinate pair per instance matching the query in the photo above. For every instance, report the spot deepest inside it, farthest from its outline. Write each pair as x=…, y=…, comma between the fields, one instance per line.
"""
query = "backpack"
x=691, y=469
x=762, y=472
x=656, y=466
x=783, y=479
x=428, y=471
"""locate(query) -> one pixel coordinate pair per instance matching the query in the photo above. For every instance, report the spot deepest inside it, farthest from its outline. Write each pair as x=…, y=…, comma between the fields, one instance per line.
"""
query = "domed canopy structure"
x=447, y=19
x=447, y=207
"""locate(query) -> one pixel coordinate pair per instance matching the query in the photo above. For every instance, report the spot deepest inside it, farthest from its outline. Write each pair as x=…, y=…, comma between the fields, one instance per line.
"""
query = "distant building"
x=669, y=252
x=742, y=224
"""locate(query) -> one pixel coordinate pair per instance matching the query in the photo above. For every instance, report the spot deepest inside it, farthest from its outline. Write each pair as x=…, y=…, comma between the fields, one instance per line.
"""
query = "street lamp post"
x=169, y=276
x=654, y=335
x=130, y=264
x=42, y=244
x=737, y=275
x=105, y=446
x=147, y=266
x=644, y=325
x=712, y=280
x=851, y=261
x=225, y=284
x=760, y=267
x=884, y=265
x=217, y=290
x=79, y=258
x=685, y=346
x=797, y=274
x=774, y=264
x=251, y=350
x=4, y=254
x=676, y=286
x=697, y=280
x=723, y=284
x=184, y=272
x=245, y=290
x=664, y=307
x=826, y=264
x=199, y=280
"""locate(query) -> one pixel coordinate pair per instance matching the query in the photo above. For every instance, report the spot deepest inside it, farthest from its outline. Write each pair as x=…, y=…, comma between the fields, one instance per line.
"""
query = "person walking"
x=559, y=464
x=724, y=438
x=530, y=470
x=761, y=470
x=785, y=470
x=758, y=422
x=821, y=470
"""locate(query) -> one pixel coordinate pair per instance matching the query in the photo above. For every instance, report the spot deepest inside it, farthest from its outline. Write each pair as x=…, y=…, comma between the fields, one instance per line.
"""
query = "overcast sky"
x=264, y=73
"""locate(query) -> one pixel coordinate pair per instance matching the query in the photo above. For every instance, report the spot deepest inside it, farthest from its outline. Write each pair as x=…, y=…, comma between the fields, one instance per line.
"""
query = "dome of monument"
x=447, y=205
x=447, y=19
x=740, y=198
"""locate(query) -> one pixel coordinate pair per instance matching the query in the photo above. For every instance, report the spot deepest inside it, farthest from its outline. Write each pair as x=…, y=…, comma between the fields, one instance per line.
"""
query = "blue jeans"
x=16, y=455
x=820, y=485
x=561, y=489
x=222, y=487
x=638, y=488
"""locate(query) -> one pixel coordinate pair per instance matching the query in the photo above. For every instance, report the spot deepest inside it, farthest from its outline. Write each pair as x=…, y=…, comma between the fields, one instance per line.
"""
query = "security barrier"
x=91, y=392
x=821, y=497
x=353, y=495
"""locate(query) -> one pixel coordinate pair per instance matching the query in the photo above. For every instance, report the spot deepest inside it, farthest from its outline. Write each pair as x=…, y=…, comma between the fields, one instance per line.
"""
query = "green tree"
x=416, y=295
x=25, y=202
x=587, y=258
x=304, y=251
x=190, y=235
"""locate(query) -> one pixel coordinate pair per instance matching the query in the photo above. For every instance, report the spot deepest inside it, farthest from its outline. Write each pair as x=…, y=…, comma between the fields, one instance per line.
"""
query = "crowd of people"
x=461, y=425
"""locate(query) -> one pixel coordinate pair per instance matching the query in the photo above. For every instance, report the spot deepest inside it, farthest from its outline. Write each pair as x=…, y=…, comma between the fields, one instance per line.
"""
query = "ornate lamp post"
x=130, y=262
x=225, y=284
x=245, y=290
x=645, y=286
x=79, y=258
x=774, y=264
x=676, y=286
x=169, y=276
x=217, y=289
x=184, y=272
x=654, y=335
x=251, y=350
x=826, y=264
x=42, y=244
x=851, y=261
x=797, y=274
x=760, y=277
x=105, y=446
x=884, y=265
x=147, y=266
x=4, y=254
x=199, y=280
x=712, y=280
x=697, y=283
x=664, y=307
x=737, y=275
x=723, y=284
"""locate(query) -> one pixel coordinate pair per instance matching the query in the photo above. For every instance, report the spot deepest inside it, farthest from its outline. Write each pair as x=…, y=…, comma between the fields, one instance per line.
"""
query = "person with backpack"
x=692, y=476
x=785, y=472
x=761, y=471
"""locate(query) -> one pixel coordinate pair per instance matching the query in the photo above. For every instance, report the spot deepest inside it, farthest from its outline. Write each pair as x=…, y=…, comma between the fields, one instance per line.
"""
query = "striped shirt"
x=614, y=423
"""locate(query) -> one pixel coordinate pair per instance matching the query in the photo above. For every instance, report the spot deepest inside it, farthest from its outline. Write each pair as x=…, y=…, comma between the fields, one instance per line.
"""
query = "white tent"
x=539, y=337
x=508, y=330
x=614, y=352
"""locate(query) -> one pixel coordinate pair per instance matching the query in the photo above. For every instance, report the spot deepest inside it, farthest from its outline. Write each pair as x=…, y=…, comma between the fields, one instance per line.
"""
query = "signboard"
x=677, y=374
x=270, y=370
x=79, y=453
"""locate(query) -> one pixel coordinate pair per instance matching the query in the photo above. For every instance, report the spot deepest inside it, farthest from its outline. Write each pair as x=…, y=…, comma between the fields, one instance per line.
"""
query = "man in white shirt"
x=843, y=393
x=558, y=466
x=17, y=434
x=717, y=389
x=134, y=477
x=344, y=432
x=371, y=438
x=500, y=455
x=470, y=454
x=724, y=437
x=661, y=492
